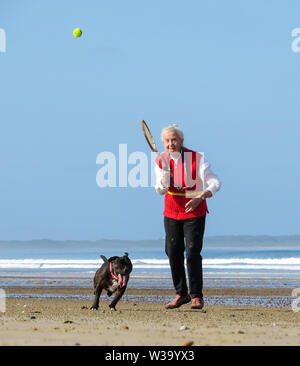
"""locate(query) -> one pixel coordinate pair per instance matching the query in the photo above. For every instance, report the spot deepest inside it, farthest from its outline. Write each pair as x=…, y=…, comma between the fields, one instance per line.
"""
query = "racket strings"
x=149, y=137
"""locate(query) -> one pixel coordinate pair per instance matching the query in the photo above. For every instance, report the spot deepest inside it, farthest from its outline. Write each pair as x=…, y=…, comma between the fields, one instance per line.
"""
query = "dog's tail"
x=105, y=260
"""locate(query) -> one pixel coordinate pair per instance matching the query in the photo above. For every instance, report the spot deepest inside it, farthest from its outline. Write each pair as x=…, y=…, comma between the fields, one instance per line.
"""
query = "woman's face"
x=172, y=142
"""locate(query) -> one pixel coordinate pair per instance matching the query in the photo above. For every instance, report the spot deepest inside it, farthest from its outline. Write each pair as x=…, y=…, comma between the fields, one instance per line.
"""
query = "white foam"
x=290, y=263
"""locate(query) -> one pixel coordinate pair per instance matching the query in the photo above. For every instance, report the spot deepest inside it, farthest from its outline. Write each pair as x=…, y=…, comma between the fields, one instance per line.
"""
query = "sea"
x=228, y=261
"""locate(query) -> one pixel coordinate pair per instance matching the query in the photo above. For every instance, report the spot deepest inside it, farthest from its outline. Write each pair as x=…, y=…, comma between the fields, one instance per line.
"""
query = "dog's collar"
x=111, y=272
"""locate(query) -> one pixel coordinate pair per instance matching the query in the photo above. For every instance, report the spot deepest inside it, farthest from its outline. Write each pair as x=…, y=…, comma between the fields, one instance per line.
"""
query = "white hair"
x=173, y=127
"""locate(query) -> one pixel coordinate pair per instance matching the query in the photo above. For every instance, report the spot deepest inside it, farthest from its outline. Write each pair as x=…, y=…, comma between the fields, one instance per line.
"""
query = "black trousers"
x=192, y=230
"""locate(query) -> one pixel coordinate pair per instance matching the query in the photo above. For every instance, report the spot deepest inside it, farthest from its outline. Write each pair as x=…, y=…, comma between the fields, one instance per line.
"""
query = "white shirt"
x=209, y=179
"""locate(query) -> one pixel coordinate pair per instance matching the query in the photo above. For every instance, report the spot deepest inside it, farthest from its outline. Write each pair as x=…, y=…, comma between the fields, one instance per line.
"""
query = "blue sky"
x=224, y=71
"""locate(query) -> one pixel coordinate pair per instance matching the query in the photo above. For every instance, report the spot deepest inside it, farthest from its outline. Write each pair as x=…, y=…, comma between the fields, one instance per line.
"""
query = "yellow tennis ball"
x=77, y=32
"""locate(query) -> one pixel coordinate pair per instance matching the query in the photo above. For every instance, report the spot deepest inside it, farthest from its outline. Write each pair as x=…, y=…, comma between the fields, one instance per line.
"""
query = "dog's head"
x=122, y=267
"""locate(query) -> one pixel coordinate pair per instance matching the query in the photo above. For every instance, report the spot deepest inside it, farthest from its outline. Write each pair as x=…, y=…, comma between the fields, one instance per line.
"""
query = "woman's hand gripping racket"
x=149, y=138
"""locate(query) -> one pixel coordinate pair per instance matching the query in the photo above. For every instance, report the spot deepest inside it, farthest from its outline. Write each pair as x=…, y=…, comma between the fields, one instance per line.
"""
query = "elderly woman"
x=186, y=180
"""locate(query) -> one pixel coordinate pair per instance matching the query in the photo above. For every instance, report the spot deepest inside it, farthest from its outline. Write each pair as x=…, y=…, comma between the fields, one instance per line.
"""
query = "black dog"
x=112, y=276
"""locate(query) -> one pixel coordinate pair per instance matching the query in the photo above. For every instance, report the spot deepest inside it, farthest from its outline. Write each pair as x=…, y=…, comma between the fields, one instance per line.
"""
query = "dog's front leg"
x=98, y=291
x=118, y=295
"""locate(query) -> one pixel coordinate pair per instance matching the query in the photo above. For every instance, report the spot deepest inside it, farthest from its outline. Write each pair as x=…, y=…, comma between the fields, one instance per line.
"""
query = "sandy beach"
x=68, y=322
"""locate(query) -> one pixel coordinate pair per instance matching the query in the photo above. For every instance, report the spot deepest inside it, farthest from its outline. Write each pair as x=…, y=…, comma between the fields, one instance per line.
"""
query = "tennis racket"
x=150, y=140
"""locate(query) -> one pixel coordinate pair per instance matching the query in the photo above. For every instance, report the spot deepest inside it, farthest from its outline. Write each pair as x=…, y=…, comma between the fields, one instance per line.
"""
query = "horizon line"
x=152, y=239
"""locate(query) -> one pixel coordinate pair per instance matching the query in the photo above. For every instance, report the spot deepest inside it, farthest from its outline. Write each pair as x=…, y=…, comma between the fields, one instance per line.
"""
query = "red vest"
x=184, y=175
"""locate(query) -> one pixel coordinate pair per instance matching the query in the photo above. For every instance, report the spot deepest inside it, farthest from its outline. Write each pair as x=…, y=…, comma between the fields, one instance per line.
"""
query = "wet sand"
x=64, y=321
x=209, y=291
